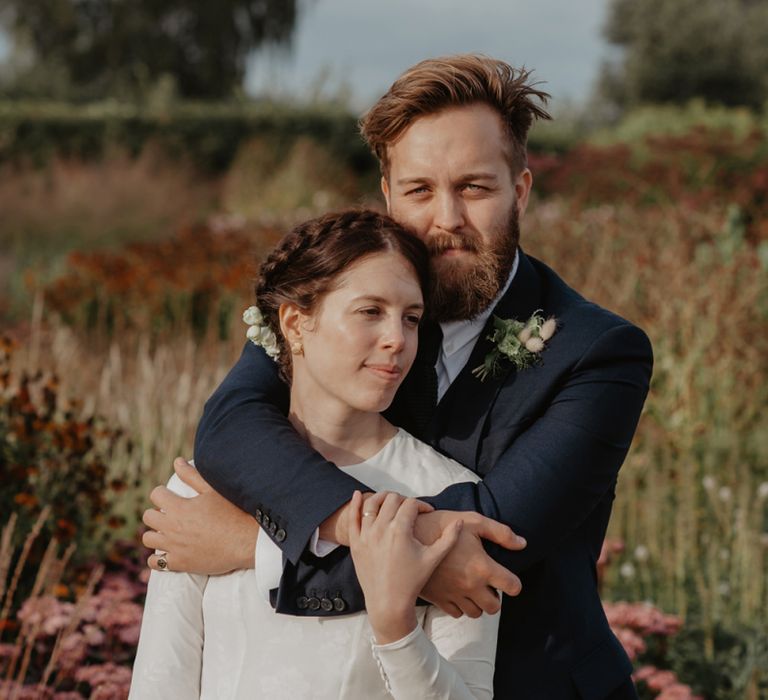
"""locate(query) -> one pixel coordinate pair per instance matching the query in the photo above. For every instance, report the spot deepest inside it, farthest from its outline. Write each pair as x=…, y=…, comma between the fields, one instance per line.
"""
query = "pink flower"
x=661, y=680
x=46, y=611
x=99, y=674
x=644, y=672
x=94, y=635
x=130, y=635
x=676, y=691
x=72, y=650
x=631, y=641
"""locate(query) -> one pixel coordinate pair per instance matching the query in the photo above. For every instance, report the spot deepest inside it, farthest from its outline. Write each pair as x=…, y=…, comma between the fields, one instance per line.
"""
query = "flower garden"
x=112, y=343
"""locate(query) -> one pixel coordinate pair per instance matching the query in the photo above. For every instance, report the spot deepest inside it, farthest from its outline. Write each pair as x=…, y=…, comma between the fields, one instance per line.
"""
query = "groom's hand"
x=205, y=534
x=466, y=581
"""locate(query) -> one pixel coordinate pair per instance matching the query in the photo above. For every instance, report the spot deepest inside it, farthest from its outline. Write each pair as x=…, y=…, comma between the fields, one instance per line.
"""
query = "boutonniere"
x=520, y=342
x=260, y=333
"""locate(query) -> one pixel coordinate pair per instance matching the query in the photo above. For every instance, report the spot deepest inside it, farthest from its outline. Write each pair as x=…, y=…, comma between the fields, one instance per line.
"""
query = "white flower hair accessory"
x=520, y=342
x=260, y=333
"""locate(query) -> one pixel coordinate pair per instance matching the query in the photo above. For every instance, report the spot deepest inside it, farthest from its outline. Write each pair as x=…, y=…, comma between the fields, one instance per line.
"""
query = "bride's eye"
x=412, y=319
x=371, y=311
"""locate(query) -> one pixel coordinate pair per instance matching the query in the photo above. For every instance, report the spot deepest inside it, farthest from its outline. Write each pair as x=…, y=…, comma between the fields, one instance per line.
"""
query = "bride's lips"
x=388, y=372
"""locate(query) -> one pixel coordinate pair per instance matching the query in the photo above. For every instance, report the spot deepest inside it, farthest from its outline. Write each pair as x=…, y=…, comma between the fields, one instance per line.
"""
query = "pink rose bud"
x=534, y=345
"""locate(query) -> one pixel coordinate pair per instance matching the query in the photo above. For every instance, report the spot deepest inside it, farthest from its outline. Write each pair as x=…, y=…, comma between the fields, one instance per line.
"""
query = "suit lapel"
x=457, y=426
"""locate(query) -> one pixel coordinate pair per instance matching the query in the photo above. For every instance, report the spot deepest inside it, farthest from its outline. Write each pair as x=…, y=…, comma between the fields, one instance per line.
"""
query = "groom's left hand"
x=466, y=580
x=205, y=534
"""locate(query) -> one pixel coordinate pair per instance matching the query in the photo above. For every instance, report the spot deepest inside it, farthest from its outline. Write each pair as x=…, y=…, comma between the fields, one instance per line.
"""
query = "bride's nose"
x=393, y=336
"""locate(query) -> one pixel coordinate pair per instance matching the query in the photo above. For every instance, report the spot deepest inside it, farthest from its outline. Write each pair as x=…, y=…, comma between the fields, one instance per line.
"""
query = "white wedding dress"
x=218, y=636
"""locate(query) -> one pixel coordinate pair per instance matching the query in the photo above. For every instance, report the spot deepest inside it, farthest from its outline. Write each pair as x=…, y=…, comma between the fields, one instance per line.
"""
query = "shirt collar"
x=457, y=334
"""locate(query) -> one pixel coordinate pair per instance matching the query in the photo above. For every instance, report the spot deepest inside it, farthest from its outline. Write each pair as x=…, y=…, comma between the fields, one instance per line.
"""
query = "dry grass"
x=153, y=392
x=690, y=506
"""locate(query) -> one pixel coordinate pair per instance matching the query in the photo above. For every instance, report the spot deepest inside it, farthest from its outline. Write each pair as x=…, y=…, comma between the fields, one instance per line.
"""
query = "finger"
x=163, y=498
x=190, y=476
x=504, y=580
x=407, y=513
x=499, y=533
x=470, y=609
x=425, y=507
x=487, y=600
x=155, y=562
x=154, y=540
x=389, y=507
x=450, y=608
x=355, y=516
x=153, y=519
x=443, y=544
x=373, y=503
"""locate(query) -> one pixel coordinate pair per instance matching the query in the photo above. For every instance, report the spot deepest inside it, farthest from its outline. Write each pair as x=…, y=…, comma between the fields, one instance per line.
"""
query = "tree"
x=676, y=50
x=123, y=47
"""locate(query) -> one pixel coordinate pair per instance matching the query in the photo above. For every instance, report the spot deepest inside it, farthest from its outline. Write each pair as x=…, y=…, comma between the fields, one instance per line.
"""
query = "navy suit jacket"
x=548, y=441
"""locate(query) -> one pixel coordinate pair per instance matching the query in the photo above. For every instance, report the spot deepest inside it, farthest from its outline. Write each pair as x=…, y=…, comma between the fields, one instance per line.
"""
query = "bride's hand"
x=391, y=564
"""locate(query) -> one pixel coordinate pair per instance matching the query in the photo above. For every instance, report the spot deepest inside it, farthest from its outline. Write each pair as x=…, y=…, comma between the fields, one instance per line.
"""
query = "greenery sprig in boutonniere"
x=520, y=342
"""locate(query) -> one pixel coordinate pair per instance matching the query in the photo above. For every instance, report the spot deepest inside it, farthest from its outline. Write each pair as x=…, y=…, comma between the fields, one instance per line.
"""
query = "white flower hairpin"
x=260, y=333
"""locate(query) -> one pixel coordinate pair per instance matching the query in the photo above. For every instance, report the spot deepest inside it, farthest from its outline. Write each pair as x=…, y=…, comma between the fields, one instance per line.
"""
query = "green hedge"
x=208, y=134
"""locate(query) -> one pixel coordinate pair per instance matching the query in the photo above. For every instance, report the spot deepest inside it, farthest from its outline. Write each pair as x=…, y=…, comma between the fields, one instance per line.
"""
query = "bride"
x=339, y=303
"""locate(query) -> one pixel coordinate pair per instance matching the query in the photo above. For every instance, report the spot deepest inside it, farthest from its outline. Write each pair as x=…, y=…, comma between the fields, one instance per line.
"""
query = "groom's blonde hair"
x=452, y=81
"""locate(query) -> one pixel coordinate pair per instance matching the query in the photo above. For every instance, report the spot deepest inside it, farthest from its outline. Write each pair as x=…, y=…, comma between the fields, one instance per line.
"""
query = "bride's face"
x=361, y=340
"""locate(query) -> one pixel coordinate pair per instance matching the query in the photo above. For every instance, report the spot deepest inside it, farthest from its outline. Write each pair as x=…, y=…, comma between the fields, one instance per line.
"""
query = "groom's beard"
x=463, y=288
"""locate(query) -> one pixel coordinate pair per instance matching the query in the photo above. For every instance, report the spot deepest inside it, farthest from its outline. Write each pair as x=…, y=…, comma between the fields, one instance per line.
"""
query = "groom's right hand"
x=467, y=579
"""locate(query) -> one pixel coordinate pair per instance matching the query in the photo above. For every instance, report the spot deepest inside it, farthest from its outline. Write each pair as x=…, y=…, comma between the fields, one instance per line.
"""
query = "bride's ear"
x=291, y=320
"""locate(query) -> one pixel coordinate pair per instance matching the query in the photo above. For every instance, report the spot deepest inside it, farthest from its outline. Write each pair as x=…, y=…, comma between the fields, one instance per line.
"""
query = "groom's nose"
x=448, y=214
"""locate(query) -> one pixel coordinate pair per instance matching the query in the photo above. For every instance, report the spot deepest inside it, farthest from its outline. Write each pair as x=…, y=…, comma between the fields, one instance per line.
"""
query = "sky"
x=358, y=47
x=363, y=45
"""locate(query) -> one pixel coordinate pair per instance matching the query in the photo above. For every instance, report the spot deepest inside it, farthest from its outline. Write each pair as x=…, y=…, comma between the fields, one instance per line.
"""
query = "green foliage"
x=96, y=48
x=640, y=124
x=728, y=663
x=676, y=50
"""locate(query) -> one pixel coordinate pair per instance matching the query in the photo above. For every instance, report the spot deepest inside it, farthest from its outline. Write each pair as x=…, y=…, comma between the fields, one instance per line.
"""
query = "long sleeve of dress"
x=169, y=658
x=446, y=659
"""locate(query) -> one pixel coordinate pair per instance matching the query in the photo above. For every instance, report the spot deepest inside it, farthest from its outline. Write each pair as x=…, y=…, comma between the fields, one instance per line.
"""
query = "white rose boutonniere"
x=520, y=342
x=260, y=333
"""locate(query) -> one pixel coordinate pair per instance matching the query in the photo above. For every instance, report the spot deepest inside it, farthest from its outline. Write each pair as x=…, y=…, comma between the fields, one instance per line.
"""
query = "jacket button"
x=338, y=604
x=258, y=515
x=313, y=603
x=280, y=535
x=265, y=521
x=301, y=602
x=272, y=527
x=326, y=604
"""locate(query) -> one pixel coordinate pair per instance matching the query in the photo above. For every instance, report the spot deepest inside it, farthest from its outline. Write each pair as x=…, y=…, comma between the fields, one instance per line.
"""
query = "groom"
x=548, y=438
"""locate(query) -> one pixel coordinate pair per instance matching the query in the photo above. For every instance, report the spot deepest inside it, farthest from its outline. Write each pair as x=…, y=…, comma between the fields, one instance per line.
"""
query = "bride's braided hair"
x=306, y=264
